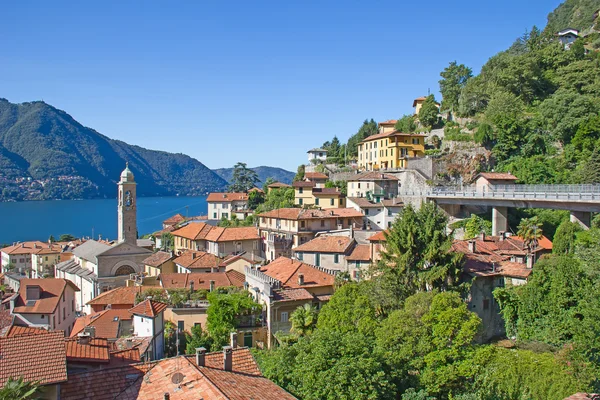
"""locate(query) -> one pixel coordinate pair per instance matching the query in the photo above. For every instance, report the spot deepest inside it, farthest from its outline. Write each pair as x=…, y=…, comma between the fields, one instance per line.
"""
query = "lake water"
x=37, y=220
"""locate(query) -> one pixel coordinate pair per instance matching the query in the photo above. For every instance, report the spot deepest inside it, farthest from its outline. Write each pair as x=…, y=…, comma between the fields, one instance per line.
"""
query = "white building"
x=224, y=205
x=317, y=154
x=377, y=215
x=148, y=321
x=567, y=37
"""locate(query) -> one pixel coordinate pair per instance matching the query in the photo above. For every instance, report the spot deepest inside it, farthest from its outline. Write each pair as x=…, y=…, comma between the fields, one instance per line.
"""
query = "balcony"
x=249, y=321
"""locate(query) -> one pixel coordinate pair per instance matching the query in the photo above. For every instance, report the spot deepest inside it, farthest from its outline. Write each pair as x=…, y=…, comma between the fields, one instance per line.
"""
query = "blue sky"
x=252, y=81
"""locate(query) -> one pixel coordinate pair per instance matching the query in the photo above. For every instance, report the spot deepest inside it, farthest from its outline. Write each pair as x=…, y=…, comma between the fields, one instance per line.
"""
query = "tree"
x=406, y=124
x=19, y=389
x=589, y=172
x=484, y=134
x=243, y=178
x=368, y=128
x=51, y=239
x=256, y=198
x=299, y=174
x=530, y=230
x=417, y=255
x=428, y=114
x=477, y=225
x=198, y=338
x=304, y=320
x=268, y=181
x=222, y=312
x=167, y=241
x=565, y=237
x=277, y=198
x=454, y=79
x=66, y=238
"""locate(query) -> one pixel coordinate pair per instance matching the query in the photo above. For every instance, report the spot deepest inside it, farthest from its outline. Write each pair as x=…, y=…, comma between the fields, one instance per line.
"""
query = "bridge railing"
x=541, y=192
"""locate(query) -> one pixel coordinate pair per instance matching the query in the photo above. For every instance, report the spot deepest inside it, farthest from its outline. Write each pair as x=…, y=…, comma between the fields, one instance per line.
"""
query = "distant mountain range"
x=46, y=154
x=279, y=174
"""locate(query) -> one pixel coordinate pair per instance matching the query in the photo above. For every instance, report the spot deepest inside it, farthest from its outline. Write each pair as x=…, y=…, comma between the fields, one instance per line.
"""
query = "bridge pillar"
x=453, y=210
x=583, y=218
x=499, y=220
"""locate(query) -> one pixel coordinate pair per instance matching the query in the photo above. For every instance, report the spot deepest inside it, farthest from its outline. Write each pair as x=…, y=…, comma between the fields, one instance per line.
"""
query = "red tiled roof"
x=373, y=176
x=226, y=197
x=285, y=295
x=326, y=244
x=378, y=237
x=389, y=122
x=197, y=259
x=149, y=308
x=422, y=98
x=497, y=176
x=584, y=396
x=193, y=231
x=317, y=191
x=303, y=184
x=50, y=295
x=363, y=202
x=6, y=319
x=277, y=185
x=96, y=350
x=202, y=280
x=124, y=357
x=157, y=259
x=16, y=330
x=301, y=214
x=218, y=234
x=242, y=361
x=174, y=220
x=33, y=247
x=287, y=270
x=34, y=357
x=314, y=175
x=361, y=252
x=124, y=295
x=106, y=323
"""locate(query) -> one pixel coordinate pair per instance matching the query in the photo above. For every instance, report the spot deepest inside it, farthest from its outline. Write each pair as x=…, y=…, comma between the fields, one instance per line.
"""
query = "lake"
x=37, y=220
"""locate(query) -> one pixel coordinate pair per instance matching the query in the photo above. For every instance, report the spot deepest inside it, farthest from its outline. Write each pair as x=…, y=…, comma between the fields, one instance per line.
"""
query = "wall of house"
x=326, y=260
x=189, y=316
x=166, y=268
x=357, y=269
x=87, y=291
x=482, y=303
x=303, y=196
x=322, y=156
x=22, y=262
x=158, y=341
x=40, y=263
x=222, y=249
x=182, y=244
x=142, y=326
x=218, y=210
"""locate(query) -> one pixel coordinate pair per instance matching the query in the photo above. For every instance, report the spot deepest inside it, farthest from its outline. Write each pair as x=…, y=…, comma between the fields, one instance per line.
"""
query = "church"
x=97, y=267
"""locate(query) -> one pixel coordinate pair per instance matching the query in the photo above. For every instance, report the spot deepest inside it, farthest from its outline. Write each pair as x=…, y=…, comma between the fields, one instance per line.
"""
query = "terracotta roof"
x=336, y=191
x=124, y=357
x=392, y=134
x=149, y=308
x=373, y=176
x=285, y=295
x=287, y=270
x=318, y=150
x=34, y=357
x=226, y=197
x=197, y=259
x=361, y=252
x=202, y=280
x=497, y=176
x=51, y=290
x=378, y=237
x=96, y=350
x=124, y=295
x=157, y=259
x=326, y=244
x=193, y=231
x=255, y=189
x=209, y=382
x=376, y=136
x=513, y=269
x=107, y=323
x=422, y=98
x=314, y=175
x=130, y=342
x=33, y=247
x=174, y=220
x=277, y=185
x=16, y=330
x=389, y=122
x=303, y=184
x=584, y=396
x=302, y=214
x=218, y=234
x=363, y=202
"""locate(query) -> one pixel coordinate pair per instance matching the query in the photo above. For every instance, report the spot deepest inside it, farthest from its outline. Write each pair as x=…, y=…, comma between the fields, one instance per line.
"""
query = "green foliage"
x=530, y=230
x=167, y=241
x=428, y=114
x=222, y=312
x=269, y=181
x=589, y=171
x=277, y=198
x=19, y=389
x=476, y=225
x=341, y=185
x=198, y=338
x=454, y=79
x=243, y=178
x=300, y=173
x=171, y=336
x=565, y=237
x=304, y=320
x=368, y=128
x=51, y=239
x=577, y=14
x=484, y=135
x=256, y=198
x=455, y=133
x=407, y=124
x=66, y=238
x=156, y=294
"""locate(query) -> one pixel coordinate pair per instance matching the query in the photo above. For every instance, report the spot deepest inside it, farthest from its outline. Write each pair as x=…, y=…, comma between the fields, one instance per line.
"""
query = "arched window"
x=124, y=270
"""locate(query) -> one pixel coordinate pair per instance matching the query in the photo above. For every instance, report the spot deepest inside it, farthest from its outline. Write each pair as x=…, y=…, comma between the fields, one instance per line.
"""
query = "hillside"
x=46, y=154
x=279, y=174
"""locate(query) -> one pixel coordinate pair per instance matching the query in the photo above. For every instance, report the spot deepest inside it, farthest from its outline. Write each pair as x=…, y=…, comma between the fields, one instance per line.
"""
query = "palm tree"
x=304, y=320
x=18, y=389
x=530, y=230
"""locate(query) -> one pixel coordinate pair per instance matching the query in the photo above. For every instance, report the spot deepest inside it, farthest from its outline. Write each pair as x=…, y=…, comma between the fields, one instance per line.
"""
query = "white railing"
x=513, y=192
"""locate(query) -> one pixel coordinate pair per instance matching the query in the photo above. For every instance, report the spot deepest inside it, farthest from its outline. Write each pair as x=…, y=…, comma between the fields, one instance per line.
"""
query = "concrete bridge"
x=580, y=200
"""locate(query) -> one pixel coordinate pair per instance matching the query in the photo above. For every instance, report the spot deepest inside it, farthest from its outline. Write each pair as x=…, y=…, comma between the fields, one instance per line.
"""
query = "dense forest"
x=263, y=173
x=46, y=154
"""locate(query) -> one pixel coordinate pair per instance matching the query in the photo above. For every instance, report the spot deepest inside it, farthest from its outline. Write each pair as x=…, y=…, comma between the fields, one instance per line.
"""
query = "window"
x=300, y=256
x=64, y=314
x=349, y=222
x=300, y=190
x=226, y=215
x=389, y=212
x=302, y=224
x=332, y=201
x=300, y=201
x=322, y=223
x=318, y=259
x=284, y=316
x=72, y=305
x=53, y=321
x=415, y=141
x=46, y=258
x=317, y=201
x=336, y=258
x=359, y=185
x=389, y=224
x=214, y=215
x=225, y=206
x=366, y=211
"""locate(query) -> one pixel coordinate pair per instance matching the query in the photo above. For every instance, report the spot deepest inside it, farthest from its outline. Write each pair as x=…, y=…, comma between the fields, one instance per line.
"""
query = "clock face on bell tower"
x=126, y=208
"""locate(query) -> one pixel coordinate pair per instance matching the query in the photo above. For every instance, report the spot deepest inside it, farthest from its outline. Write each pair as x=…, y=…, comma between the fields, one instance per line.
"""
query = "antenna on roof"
x=428, y=91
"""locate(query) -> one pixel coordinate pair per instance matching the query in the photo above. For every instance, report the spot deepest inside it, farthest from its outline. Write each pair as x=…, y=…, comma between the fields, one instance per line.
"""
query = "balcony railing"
x=248, y=321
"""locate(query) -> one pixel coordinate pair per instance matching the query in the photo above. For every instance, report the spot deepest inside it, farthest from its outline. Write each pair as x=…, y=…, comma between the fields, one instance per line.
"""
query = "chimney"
x=530, y=259
x=83, y=338
x=233, y=339
x=331, y=212
x=493, y=267
x=191, y=286
x=212, y=285
x=32, y=292
x=166, y=396
x=193, y=256
x=200, y=356
x=502, y=235
x=472, y=246
x=482, y=236
x=227, y=358
x=300, y=279
x=90, y=331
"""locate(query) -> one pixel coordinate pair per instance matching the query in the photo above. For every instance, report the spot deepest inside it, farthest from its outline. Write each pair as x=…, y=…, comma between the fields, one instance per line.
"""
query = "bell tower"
x=127, y=208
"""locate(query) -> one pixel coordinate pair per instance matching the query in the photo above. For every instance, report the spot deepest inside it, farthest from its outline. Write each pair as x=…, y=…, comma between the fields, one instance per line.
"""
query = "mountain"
x=576, y=14
x=46, y=154
x=279, y=174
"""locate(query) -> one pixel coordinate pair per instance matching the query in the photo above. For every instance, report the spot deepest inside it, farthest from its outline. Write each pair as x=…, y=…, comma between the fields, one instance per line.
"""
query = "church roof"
x=72, y=267
x=90, y=250
x=127, y=175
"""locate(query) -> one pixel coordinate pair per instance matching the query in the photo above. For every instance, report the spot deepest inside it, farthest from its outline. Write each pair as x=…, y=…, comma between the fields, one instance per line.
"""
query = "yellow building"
x=307, y=194
x=158, y=263
x=389, y=149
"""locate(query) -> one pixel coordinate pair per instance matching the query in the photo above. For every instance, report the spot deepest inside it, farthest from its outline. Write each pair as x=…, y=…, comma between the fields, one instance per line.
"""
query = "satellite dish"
x=177, y=378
